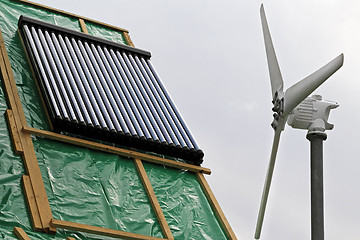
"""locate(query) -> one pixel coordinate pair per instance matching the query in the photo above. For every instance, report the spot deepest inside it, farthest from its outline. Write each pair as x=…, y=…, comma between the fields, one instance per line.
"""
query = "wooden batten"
x=115, y=150
x=14, y=135
x=20, y=233
x=83, y=25
x=128, y=39
x=31, y=203
x=28, y=154
x=153, y=200
x=99, y=230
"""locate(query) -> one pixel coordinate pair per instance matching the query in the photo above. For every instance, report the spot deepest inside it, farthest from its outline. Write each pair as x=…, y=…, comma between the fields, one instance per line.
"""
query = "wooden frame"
x=153, y=200
x=115, y=150
x=31, y=202
x=13, y=131
x=83, y=26
x=27, y=148
x=34, y=188
x=20, y=233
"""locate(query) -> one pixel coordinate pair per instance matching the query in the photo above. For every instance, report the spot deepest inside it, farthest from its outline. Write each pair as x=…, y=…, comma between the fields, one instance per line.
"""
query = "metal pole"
x=317, y=191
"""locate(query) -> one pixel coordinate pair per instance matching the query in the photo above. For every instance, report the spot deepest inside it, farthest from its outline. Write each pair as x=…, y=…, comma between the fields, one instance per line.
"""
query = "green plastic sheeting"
x=95, y=188
x=105, y=33
x=184, y=204
x=83, y=185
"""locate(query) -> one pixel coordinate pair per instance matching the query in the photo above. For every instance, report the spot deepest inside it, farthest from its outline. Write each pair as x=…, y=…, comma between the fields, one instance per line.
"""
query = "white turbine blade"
x=295, y=94
x=274, y=69
x=268, y=178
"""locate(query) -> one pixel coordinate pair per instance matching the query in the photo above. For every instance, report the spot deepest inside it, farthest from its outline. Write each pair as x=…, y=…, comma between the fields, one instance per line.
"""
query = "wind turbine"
x=291, y=102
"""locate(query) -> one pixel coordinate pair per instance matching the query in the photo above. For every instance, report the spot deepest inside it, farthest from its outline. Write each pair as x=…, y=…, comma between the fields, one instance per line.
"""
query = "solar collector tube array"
x=105, y=90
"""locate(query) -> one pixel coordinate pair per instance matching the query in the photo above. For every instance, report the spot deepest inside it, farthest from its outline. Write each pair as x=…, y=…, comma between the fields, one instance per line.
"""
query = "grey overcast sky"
x=211, y=56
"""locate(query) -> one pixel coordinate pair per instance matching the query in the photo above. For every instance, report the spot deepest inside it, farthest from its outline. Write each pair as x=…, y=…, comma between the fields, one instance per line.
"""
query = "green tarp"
x=82, y=185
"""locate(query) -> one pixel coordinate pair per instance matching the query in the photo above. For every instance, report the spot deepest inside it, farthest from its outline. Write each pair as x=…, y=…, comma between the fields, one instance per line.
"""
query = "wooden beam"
x=100, y=231
x=28, y=154
x=31, y=203
x=20, y=233
x=5, y=78
x=128, y=39
x=83, y=26
x=115, y=150
x=70, y=15
x=153, y=200
x=14, y=135
x=216, y=207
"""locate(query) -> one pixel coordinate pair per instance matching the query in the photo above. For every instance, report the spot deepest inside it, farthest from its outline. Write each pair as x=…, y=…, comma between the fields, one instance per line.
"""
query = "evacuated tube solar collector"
x=105, y=90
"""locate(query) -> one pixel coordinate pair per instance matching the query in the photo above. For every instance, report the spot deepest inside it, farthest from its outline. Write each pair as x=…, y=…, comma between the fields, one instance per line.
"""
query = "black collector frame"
x=174, y=139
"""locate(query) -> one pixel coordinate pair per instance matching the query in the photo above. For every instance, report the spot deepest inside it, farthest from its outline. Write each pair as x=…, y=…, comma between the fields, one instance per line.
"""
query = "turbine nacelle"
x=312, y=114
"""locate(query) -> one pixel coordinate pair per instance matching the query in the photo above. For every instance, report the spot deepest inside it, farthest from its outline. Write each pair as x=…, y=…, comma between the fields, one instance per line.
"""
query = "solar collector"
x=77, y=94
x=162, y=111
x=110, y=89
x=55, y=76
x=46, y=83
x=62, y=78
x=51, y=81
x=86, y=79
x=158, y=126
x=141, y=107
x=106, y=70
x=71, y=61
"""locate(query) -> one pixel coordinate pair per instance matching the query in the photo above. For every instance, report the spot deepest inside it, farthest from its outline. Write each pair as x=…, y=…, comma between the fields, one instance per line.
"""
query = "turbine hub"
x=278, y=108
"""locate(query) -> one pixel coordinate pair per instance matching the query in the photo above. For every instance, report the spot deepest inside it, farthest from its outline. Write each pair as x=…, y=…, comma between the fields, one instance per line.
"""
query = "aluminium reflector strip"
x=104, y=90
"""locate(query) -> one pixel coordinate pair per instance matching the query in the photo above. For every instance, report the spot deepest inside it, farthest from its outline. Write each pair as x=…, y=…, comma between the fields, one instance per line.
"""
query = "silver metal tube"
x=61, y=78
x=130, y=106
x=107, y=111
x=87, y=81
x=72, y=60
x=109, y=89
x=160, y=108
x=117, y=92
x=142, y=118
x=132, y=75
x=173, y=119
x=185, y=132
x=68, y=78
x=42, y=72
x=51, y=77
x=146, y=94
x=57, y=78
x=83, y=81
